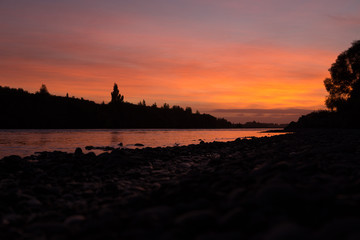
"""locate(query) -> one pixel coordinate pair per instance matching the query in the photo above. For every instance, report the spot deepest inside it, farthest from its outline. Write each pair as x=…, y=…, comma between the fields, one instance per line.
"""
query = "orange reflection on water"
x=26, y=142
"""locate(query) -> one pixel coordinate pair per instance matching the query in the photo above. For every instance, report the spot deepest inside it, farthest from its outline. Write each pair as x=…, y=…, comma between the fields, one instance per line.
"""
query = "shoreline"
x=27, y=142
x=302, y=185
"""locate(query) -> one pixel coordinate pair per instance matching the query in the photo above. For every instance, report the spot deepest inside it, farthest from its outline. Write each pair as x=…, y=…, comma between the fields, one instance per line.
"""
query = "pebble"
x=297, y=186
x=74, y=219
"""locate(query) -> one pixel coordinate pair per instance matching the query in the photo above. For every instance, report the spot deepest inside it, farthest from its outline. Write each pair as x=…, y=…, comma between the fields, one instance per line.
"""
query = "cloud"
x=275, y=115
x=345, y=20
x=289, y=111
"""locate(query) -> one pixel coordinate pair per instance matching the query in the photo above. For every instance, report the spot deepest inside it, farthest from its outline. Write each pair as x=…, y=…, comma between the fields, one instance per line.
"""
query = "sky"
x=245, y=60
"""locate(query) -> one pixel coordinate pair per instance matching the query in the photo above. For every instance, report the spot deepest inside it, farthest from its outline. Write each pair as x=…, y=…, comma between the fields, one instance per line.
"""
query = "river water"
x=26, y=142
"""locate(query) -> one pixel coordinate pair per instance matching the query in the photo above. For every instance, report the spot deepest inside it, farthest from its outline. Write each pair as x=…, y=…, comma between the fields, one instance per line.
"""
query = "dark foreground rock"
x=300, y=186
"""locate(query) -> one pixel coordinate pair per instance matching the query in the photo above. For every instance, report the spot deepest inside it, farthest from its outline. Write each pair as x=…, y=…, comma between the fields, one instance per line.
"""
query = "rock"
x=12, y=163
x=224, y=235
x=78, y=152
x=106, y=148
x=33, y=202
x=340, y=229
x=153, y=216
x=91, y=155
x=286, y=231
x=139, y=145
x=89, y=147
x=234, y=218
x=247, y=189
x=278, y=196
x=50, y=228
x=74, y=219
x=197, y=219
x=11, y=219
x=120, y=144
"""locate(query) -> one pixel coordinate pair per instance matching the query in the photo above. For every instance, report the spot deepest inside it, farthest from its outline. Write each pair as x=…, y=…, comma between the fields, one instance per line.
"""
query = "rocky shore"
x=304, y=185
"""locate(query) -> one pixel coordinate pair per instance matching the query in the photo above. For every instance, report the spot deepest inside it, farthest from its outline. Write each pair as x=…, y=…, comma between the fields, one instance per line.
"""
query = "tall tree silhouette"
x=44, y=90
x=116, y=97
x=344, y=84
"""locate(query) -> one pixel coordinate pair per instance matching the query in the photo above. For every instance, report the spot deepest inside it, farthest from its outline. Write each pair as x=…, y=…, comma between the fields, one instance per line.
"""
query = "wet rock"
x=12, y=219
x=287, y=231
x=157, y=215
x=278, y=196
x=222, y=235
x=33, y=202
x=343, y=228
x=89, y=147
x=78, y=152
x=12, y=163
x=197, y=219
x=106, y=148
x=234, y=218
x=91, y=155
x=74, y=219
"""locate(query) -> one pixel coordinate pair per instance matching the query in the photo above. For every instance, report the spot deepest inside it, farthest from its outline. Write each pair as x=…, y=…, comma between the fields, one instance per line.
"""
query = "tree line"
x=21, y=109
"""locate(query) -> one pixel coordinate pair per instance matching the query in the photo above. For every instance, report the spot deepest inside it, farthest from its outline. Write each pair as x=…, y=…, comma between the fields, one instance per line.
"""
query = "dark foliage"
x=344, y=95
x=255, y=124
x=344, y=84
x=44, y=90
x=116, y=97
x=327, y=119
x=21, y=109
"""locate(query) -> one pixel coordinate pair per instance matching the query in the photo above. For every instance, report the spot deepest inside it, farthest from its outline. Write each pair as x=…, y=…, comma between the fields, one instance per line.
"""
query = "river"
x=25, y=142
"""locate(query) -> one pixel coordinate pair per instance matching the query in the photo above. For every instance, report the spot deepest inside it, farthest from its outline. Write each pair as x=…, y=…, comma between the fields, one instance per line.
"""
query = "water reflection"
x=26, y=142
x=114, y=137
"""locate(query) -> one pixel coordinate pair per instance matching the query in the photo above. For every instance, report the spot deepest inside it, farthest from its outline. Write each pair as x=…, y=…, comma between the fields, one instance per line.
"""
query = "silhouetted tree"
x=43, y=90
x=188, y=110
x=344, y=84
x=166, y=106
x=116, y=97
x=142, y=103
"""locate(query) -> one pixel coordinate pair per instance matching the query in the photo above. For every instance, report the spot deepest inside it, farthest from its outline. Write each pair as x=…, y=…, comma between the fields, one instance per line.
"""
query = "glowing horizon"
x=208, y=55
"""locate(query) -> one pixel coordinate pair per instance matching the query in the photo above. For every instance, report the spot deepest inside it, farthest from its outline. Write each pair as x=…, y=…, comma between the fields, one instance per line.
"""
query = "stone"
x=74, y=219
x=78, y=151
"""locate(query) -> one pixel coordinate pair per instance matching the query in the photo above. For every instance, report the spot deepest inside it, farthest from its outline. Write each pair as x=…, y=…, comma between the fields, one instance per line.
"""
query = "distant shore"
x=296, y=186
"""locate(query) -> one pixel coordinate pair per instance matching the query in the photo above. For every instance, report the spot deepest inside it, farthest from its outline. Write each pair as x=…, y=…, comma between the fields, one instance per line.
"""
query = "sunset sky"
x=244, y=60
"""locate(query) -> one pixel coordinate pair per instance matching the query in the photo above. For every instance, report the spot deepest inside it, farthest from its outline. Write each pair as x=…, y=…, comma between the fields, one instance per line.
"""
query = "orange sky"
x=241, y=60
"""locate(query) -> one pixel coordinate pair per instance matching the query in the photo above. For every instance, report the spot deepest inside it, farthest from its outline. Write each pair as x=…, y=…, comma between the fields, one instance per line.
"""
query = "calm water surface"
x=27, y=142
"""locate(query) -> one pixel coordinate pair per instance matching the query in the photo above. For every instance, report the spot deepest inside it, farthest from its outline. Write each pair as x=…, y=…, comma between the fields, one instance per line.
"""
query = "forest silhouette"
x=21, y=109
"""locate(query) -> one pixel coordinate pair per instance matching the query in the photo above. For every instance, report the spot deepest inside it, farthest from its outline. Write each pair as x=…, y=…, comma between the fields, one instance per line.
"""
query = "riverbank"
x=296, y=186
